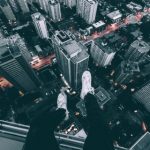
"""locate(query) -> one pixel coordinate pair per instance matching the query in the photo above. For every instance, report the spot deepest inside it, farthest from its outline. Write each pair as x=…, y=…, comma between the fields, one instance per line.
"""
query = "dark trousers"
x=41, y=133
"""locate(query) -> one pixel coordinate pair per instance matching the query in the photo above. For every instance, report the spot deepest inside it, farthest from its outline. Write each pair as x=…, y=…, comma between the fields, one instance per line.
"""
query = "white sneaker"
x=62, y=102
x=86, y=84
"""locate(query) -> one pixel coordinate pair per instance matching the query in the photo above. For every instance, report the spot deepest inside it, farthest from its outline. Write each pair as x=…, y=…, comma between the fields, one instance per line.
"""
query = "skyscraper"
x=80, y=7
x=40, y=25
x=20, y=43
x=14, y=6
x=14, y=66
x=72, y=58
x=87, y=9
x=44, y=4
x=54, y=10
x=137, y=50
x=6, y=9
x=70, y=3
x=23, y=6
x=101, y=53
x=143, y=95
x=126, y=72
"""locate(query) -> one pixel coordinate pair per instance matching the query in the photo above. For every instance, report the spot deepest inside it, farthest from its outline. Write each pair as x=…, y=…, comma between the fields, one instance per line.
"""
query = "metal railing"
x=19, y=132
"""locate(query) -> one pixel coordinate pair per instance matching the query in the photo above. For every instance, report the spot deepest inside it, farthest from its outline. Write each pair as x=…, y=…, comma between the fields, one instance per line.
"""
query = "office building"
x=14, y=5
x=70, y=3
x=137, y=51
x=20, y=43
x=115, y=16
x=23, y=6
x=40, y=25
x=14, y=66
x=142, y=142
x=102, y=96
x=6, y=9
x=54, y=10
x=87, y=9
x=79, y=7
x=44, y=4
x=72, y=58
x=90, y=10
x=101, y=53
x=142, y=95
x=134, y=7
x=126, y=72
x=99, y=26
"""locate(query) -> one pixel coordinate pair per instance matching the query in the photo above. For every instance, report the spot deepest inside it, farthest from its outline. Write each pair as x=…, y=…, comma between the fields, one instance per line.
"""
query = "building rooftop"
x=143, y=143
x=114, y=15
x=133, y=6
x=104, y=46
x=130, y=67
x=102, y=96
x=74, y=50
x=141, y=46
x=37, y=16
x=98, y=24
x=53, y=2
x=62, y=37
x=8, y=47
x=92, y=1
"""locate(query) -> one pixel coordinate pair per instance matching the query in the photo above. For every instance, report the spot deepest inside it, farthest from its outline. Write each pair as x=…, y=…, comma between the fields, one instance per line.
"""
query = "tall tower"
x=14, y=6
x=72, y=58
x=15, y=67
x=70, y=3
x=44, y=5
x=80, y=7
x=23, y=6
x=101, y=53
x=87, y=9
x=126, y=72
x=40, y=25
x=90, y=10
x=143, y=95
x=55, y=10
x=6, y=9
x=137, y=50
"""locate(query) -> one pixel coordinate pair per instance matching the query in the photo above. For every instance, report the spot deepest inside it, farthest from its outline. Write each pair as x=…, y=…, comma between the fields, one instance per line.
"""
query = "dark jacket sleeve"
x=41, y=132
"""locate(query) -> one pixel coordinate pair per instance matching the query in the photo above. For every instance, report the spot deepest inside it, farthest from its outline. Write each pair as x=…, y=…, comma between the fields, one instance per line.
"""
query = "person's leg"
x=98, y=135
x=41, y=132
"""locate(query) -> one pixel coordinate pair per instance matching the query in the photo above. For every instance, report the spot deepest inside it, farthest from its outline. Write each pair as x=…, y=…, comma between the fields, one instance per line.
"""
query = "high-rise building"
x=80, y=7
x=44, y=4
x=126, y=72
x=14, y=5
x=72, y=58
x=6, y=9
x=90, y=10
x=70, y=3
x=87, y=9
x=54, y=10
x=137, y=50
x=101, y=53
x=143, y=95
x=15, y=67
x=23, y=6
x=40, y=25
x=20, y=43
